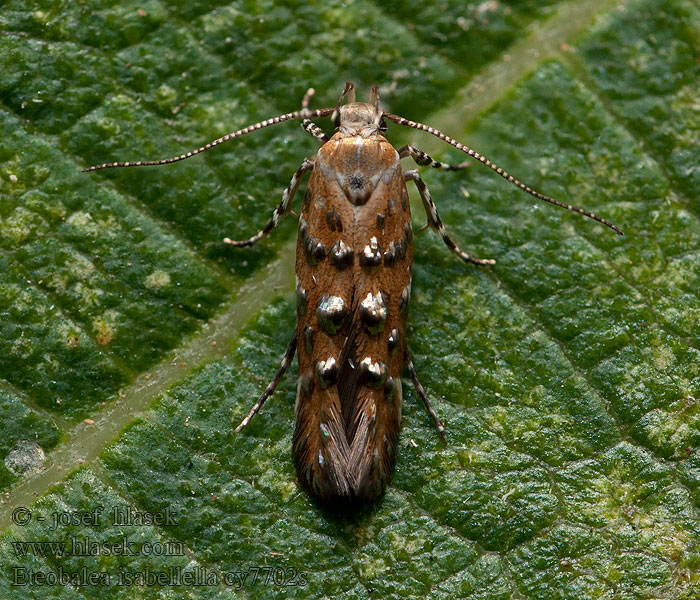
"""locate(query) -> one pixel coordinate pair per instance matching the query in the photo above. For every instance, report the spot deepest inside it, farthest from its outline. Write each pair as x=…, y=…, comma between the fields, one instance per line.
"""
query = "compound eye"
x=382, y=125
x=336, y=120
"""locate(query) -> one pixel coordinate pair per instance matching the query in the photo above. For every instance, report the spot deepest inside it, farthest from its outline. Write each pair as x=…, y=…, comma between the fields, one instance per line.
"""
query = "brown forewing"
x=347, y=417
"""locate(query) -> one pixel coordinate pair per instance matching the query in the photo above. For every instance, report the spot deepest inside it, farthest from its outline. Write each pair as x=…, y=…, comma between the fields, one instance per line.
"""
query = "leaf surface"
x=132, y=341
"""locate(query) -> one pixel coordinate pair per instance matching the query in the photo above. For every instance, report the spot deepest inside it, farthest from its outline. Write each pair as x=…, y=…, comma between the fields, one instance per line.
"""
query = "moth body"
x=353, y=265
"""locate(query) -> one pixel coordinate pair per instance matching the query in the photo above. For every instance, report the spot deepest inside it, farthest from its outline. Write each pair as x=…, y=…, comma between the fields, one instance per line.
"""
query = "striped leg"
x=281, y=210
x=424, y=160
x=269, y=390
x=314, y=130
x=421, y=392
x=435, y=223
x=307, y=125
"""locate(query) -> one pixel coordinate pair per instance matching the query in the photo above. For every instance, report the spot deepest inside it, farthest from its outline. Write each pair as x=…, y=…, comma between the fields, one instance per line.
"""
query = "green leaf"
x=132, y=341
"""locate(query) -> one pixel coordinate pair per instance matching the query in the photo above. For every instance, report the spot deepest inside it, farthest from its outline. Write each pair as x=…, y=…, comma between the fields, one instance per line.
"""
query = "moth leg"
x=269, y=390
x=435, y=223
x=421, y=392
x=307, y=125
x=281, y=210
x=424, y=160
x=314, y=130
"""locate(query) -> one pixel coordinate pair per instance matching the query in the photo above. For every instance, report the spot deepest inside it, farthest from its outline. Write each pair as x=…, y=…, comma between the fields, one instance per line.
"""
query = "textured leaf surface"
x=132, y=340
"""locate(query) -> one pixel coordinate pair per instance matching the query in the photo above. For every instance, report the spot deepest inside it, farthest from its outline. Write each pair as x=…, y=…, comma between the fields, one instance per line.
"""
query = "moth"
x=353, y=285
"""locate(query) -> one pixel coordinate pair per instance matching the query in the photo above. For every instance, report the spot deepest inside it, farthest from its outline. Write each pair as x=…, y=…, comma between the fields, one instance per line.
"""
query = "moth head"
x=359, y=118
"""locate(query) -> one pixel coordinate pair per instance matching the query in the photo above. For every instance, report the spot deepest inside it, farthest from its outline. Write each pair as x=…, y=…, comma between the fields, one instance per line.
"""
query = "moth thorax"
x=359, y=118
